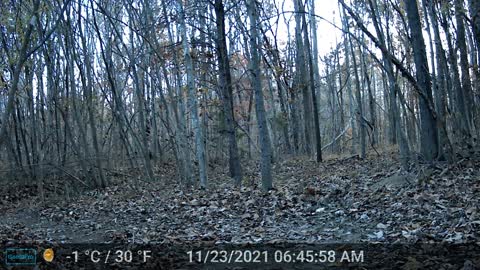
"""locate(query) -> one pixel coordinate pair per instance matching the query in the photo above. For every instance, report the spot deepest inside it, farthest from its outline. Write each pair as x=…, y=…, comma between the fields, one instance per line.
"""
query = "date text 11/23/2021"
x=276, y=256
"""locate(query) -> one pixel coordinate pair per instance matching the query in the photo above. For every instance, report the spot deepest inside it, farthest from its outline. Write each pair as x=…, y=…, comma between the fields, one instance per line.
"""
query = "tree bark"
x=311, y=76
x=225, y=85
x=464, y=65
x=266, y=156
x=358, y=98
x=192, y=98
x=301, y=75
x=20, y=61
x=428, y=131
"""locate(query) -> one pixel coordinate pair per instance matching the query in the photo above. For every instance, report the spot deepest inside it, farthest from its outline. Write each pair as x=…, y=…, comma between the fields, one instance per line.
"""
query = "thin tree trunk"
x=311, y=74
x=371, y=98
x=455, y=91
x=192, y=100
x=88, y=90
x=225, y=85
x=349, y=86
x=17, y=68
x=182, y=123
x=442, y=75
x=464, y=65
x=358, y=97
x=266, y=156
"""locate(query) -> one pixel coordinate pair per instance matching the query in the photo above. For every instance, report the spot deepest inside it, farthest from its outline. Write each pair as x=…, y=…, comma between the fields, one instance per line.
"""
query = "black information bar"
x=194, y=255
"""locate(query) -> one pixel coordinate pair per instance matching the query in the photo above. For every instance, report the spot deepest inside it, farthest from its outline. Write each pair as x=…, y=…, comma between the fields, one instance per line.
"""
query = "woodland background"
x=93, y=88
x=216, y=122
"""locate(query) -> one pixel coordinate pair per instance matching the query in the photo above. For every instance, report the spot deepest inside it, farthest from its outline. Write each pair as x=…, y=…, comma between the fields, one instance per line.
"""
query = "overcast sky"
x=327, y=35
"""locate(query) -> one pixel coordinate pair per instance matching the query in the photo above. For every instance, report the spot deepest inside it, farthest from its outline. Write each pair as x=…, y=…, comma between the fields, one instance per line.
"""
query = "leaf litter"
x=339, y=200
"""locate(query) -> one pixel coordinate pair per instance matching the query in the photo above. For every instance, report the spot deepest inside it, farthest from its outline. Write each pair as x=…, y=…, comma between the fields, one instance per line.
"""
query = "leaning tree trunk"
x=395, y=130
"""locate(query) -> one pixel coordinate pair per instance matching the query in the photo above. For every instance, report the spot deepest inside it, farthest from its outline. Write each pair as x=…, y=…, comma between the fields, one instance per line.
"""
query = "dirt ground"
x=344, y=199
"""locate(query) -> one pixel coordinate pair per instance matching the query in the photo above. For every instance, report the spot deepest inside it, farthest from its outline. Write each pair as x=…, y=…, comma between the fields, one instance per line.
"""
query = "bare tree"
x=225, y=85
x=265, y=146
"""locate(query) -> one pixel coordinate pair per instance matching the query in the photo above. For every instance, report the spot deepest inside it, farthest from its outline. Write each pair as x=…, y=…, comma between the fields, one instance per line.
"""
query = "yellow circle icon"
x=48, y=255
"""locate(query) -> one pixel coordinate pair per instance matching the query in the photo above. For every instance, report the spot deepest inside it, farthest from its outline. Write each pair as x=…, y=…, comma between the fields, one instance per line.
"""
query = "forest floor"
x=343, y=199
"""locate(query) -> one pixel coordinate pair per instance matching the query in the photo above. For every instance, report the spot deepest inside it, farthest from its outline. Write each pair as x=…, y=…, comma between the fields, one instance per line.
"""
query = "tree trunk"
x=88, y=90
x=22, y=58
x=192, y=99
x=442, y=74
x=349, y=86
x=371, y=98
x=395, y=129
x=311, y=76
x=266, y=158
x=428, y=131
x=358, y=97
x=464, y=65
x=225, y=85
x=182, y=123
x=301, y=75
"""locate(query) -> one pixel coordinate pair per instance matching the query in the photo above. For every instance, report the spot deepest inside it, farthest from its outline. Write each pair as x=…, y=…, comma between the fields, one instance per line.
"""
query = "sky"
x=327, y=34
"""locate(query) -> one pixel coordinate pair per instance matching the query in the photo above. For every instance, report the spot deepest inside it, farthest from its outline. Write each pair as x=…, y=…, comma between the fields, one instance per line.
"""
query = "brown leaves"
x=339, y=200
